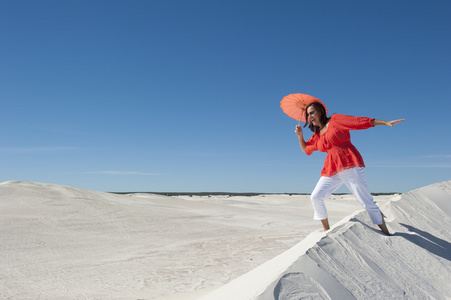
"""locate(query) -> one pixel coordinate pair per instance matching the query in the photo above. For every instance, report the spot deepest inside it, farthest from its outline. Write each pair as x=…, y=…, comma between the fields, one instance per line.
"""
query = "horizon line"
x=239, y=193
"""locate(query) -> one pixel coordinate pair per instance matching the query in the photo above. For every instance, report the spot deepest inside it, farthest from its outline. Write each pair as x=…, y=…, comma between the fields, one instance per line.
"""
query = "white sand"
x=355, y=261
x=64, y=243
x=61, y=243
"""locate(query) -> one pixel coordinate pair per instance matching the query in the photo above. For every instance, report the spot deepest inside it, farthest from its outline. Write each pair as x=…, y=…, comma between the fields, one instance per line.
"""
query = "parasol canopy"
x=294, y=105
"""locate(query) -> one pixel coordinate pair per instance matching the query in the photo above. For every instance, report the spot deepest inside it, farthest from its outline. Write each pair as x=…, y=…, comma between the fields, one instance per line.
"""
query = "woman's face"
x=314, y=116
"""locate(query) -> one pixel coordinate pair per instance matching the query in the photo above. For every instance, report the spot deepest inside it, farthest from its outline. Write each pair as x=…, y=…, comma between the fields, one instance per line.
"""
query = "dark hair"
x=323, y=119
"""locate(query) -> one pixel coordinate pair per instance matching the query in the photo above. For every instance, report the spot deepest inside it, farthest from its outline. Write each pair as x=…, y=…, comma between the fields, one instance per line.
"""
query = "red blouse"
x=336, y=141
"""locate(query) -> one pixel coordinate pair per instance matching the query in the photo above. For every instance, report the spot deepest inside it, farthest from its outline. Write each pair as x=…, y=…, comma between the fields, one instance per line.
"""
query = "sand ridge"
x=353, y=260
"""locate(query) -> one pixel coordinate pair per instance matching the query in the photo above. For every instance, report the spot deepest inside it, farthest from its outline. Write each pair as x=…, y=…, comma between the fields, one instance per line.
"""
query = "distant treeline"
x=173, y=194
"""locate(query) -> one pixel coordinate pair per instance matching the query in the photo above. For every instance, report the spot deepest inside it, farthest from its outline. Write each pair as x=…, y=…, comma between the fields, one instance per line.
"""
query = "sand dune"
x=64, y=243
x=355, y=261
x=59, y=242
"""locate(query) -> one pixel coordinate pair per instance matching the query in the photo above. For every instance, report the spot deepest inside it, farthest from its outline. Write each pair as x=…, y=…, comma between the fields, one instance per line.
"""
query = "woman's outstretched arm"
x=376, y=122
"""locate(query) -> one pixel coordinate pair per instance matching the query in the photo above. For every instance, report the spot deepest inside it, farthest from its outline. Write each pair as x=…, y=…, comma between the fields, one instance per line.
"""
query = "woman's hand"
x=394, y=122
x=298, y=131
x=300, y=135
x=388, y=123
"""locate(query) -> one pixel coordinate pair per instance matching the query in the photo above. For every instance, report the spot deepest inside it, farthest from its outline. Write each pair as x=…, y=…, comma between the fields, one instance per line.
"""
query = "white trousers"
x=355, y=180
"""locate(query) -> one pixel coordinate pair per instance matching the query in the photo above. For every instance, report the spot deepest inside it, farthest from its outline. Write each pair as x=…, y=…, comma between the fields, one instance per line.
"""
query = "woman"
x=343, y=163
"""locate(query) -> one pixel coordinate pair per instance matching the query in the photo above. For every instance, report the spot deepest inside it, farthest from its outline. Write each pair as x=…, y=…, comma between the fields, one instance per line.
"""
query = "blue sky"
x=185, y=95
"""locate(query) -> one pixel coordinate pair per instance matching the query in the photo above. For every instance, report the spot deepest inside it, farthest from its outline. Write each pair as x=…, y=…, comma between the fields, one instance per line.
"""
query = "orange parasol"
x=294, y=105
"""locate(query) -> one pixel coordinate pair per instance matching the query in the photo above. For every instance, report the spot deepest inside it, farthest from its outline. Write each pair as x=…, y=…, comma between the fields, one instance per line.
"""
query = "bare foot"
x=383, y=227
x=325, y=223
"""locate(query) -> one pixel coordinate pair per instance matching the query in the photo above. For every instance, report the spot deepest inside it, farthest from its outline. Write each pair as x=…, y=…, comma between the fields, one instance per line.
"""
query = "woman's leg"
x=323, y=189
x=355, y=180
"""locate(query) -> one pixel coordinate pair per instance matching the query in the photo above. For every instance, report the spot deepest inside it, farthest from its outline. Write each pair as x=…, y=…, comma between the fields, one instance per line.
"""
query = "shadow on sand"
x=427, y=241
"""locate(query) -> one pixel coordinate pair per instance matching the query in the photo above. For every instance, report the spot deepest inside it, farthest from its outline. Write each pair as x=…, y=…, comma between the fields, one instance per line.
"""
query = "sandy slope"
x=59, y=242
x=355, y=261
